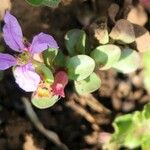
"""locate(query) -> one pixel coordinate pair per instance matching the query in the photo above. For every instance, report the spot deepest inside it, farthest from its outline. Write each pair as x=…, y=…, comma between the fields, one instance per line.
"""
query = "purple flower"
x=24, y=71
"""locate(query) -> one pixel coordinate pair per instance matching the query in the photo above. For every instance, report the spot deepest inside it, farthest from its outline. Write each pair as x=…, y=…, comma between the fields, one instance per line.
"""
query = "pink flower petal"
x=6, y=61
x=27, y=78
x=12, y=33
x=41, y=42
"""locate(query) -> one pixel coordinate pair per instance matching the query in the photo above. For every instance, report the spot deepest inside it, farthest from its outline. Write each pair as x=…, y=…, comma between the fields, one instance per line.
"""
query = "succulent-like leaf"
x=106, y=56
x=123, y=31
x=75, y=40
x=128, y=62
x=44, y=102
x=80, y=67
x=88, y=85
x=60, y=60
x=49, y=56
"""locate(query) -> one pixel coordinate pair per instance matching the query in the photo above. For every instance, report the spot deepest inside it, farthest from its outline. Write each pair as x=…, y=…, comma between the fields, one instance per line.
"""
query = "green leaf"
x=88, y=85
x=146, y=142
x=127, y=130
x=75, y=40
x=80, y=67
x=132, y=130
x=128, y=62
x=147, y=80
x=60, y=60
x=49, y=55
x=146, y=63
x=51, y=3
x=146, y=111
x=105, y=56
x=35, y=2
x=134, y=135
x=44, y=102
x=121, y=125
x=123, y=31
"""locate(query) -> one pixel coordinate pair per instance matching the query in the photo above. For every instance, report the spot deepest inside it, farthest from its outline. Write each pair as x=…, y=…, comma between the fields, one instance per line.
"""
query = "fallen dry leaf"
x=123, y=31
x=142, y=40
x=137, y=15
x=99, y=30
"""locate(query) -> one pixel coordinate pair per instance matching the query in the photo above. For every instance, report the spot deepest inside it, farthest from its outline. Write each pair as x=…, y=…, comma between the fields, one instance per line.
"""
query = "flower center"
x=44, y=90
x=23, y=58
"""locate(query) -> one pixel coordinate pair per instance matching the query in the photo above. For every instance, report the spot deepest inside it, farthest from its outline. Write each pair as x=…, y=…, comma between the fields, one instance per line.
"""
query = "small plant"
x=41, y=68
x=131, y=131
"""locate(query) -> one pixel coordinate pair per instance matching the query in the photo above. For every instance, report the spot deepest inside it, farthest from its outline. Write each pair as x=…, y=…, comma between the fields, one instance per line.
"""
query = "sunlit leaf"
x=80, y=67
x=99, y=30
x=132, y=130
x=146, y=142
x=88, y=85
x=146, y=63
x=128, y=62
x=146, y=111
x=123, y=31
x=44, y=102
x=106, y=56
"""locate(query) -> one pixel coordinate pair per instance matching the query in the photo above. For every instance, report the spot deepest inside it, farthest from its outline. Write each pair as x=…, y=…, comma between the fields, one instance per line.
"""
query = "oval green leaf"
x=44, y=102
x=75, y=40
x=80, y=67
x=88, y=85
x=128, y=62
x=105, y=56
